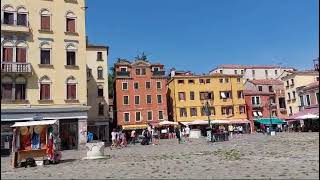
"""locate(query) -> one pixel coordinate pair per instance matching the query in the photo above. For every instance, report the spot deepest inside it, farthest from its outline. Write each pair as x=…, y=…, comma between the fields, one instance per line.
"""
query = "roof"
x=239, y=66
x=266, y=82
x=136, y=62
x=310, y=86
x=97, y=46
x=303, y=73
x=254, y=92
x=206, y=75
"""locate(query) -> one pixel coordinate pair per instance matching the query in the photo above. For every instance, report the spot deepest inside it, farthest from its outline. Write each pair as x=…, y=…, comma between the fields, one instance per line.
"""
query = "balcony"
x=14, y=27
x=256, y=106
x=158, y=73
x=15, y=67
x=123, y=73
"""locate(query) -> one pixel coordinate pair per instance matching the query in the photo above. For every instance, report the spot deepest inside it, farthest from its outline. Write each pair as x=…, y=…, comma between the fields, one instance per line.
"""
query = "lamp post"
x=270, y=112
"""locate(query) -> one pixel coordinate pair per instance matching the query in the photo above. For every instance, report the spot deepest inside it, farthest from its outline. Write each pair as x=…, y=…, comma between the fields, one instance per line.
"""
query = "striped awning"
x=138, y=126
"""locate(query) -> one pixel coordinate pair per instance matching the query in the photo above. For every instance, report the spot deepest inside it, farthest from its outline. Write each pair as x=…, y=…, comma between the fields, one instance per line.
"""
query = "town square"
x=159, y=90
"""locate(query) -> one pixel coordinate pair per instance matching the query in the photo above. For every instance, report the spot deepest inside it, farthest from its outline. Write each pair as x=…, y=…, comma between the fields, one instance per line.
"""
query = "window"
x=45, y=84
x=221, y=71
x=191, y=81
x=45, y=56
x=255, y=100
x=20, y=91
x=292, y=82
x=238, y=80
x=155, y=69
x=225, y=95
x=158, y=84
x=206, y=95
x=160, y=115
x=290, y=110
x=101, y=109
x=289, y=96
x=270, y=89
x=99, y=56
x=253, y=72
x=180, y=81
x=136, y=85
x=143, y=71
x=149, y=99
x=138, y=71
x=100, y=72
x=266, y=72
x=159, y=99
x=259, y=88
x=183, y=112
x=276, y=72
x=191, y=95
x=235, y=71
x=45, y=20
x=282, y=102
x=70, y=22
x=287, y=82
x=138, y=116
x=6, y=88
x=318, y=97
x=317, y=78
x=227, y=110
x=71, y=58
x=21, y=55
x=126, y=117
x=149, y=118
x=242, y=71
x=136, y=100
x=308, y=100
x=207, y=80
x=240, y=94
x=242, y=109
x=126, y=100
x=22, y=19
x=71, y=88
x=100, y=91
x=8, y=18
x=7, y=54
x=148, y=85
x=193, y=111
x=226, y=80
x=294, y=94
x=182, y=96
x=301, y=101
x=201, y=81
x=221, y=80
x=124, y=86
x=123, y=69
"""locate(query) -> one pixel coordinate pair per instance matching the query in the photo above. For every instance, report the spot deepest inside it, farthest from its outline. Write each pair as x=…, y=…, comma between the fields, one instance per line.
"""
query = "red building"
x=140, y=94
x=259, y=105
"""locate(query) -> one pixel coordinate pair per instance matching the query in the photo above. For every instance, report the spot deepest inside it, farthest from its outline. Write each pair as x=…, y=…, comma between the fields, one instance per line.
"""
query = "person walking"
x=230, y=129
x=187, y=133
x=178, y=135
x=133, y=137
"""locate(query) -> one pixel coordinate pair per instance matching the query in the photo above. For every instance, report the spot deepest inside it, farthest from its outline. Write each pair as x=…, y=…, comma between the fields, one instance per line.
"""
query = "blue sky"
x=199, y=35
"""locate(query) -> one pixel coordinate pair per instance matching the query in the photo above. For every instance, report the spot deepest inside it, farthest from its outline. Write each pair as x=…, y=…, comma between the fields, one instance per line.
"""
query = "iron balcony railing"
x=15, y=67
x=123, y=73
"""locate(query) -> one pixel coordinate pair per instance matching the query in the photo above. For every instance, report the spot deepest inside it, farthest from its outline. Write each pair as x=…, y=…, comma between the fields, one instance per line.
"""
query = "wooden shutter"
x=73, y=91
x=45, y=22
x=71, y=26
x=45, y=92
x=7, y=54
x=21, y=55
x=202, y=96
x=7, y=91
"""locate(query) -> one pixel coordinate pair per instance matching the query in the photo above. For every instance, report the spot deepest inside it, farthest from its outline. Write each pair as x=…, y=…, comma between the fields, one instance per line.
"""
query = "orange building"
x=140, y=94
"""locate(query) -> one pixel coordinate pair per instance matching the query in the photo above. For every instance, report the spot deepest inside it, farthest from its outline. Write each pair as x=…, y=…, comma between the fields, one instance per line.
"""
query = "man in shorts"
x=187, y=133
x=114, y=138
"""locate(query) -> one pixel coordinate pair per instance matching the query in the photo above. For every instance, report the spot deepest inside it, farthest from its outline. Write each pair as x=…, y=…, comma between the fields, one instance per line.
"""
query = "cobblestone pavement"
x=286, y=155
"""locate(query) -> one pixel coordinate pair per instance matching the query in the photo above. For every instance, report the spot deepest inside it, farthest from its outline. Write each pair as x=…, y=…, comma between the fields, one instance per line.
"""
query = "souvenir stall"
x=36, y=140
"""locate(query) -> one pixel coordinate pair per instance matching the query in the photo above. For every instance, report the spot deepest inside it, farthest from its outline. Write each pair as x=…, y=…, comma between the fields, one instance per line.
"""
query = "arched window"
x=6, y=88
x=21, y=52
x=45, y=53
x=100, y=91
x=45, y=18
x=22, y=16
x=20, y=88
x=8, y=14
x=70, y=22
x=100, y=72
x=45, y=88
x=101, y=109
x=7, y=51
x=71, y=88
x=71, y=54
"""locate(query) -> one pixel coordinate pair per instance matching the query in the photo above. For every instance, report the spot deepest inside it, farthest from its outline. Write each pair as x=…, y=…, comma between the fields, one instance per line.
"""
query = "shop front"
x=100, y=130
x=71, y=121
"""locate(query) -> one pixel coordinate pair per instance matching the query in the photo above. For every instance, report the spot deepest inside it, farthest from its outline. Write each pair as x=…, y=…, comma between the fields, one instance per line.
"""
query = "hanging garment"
x=50, y=151
x=35, y=141
x=25, y=139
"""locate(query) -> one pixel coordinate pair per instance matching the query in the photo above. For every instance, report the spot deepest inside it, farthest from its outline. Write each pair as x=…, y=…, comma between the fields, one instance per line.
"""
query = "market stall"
x=37, y=140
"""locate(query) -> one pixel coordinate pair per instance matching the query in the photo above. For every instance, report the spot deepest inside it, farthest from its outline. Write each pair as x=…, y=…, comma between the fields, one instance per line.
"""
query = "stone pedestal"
x=95, y=150
x=82, y=140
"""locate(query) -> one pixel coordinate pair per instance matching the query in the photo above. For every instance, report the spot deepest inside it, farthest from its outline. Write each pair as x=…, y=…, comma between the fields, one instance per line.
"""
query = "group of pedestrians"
x=118, y=138
x=150, y=136
x=184, y=132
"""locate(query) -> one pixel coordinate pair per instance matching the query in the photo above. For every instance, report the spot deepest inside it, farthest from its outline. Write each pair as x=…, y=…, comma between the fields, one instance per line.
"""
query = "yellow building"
x=291, y=82
x=43, y=65
x=188, y=95
x=97, y=74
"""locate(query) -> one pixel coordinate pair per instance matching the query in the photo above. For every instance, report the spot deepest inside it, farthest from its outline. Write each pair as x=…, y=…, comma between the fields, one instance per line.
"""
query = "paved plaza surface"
x=255, y=156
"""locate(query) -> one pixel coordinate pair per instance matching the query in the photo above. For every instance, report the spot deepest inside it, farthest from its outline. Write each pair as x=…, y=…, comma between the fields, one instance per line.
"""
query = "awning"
x=128, y=127
x=34, y=123
x=164, y=123
x=268, y=121
x=219, y=121
x=239, y=121
x=314, y=111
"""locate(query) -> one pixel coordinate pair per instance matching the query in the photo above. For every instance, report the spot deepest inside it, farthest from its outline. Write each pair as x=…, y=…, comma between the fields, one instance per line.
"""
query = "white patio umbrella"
x=164, y=123
x=308, y=116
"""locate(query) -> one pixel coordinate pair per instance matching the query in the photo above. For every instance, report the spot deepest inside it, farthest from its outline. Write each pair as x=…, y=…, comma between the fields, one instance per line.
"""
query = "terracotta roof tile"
x=266, y=82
